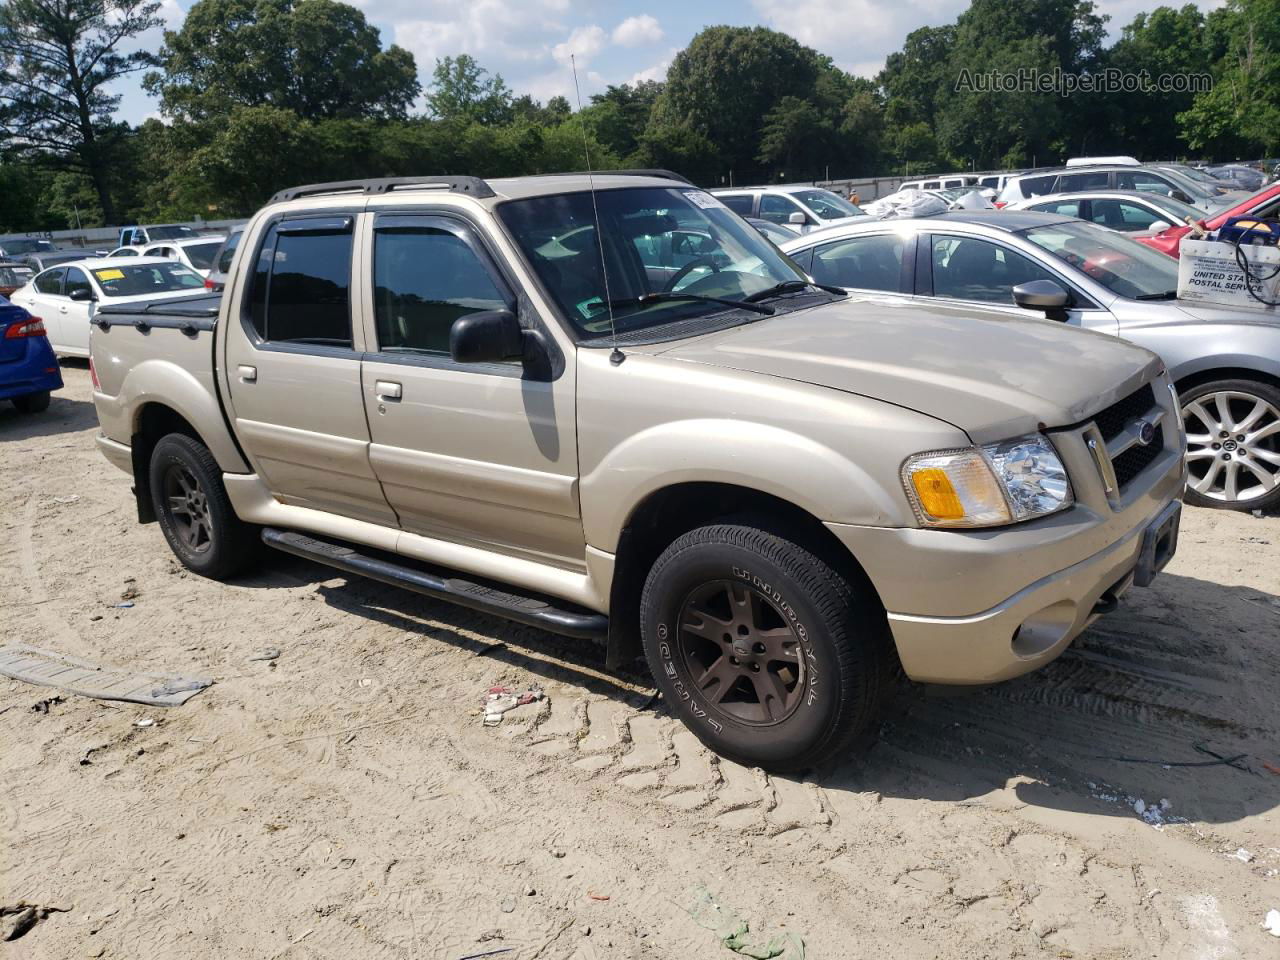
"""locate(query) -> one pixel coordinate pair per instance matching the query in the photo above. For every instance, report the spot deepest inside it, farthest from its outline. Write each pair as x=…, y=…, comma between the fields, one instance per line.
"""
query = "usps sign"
x=1208, y=272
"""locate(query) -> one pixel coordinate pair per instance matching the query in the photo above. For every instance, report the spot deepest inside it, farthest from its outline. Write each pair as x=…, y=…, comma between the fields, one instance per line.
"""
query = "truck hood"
x=992, y=375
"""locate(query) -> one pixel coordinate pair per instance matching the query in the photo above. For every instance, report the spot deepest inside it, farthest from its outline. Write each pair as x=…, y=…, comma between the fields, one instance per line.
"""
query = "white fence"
x=98, y=237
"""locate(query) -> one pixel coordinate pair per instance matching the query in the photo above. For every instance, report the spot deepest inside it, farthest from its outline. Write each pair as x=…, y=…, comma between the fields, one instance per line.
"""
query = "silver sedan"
x=1225, y=361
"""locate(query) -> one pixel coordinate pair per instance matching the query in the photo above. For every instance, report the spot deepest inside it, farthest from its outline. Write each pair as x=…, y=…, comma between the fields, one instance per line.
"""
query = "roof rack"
x=474, y=186
x=657, y=173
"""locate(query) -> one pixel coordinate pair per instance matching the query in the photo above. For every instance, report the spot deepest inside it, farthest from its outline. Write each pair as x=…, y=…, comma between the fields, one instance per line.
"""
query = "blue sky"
x=529, y=41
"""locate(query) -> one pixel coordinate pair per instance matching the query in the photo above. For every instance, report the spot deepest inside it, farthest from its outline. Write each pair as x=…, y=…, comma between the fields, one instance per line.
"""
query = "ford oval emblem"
x=1146, y=432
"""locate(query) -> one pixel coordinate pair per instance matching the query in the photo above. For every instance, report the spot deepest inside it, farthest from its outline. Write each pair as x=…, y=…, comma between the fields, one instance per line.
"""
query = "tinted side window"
x=1082, y=181
x=1066, y=208
x=228, y=252
x=802, y=259
x=50, y=282
x=301, y=287
x=76, y=280
x=740, y=204
x=1140, y=180
x=1037, y=186
x=1120, y=215
x=968, y=269
x=868, y=263
x=423, y=280
x=777, y=209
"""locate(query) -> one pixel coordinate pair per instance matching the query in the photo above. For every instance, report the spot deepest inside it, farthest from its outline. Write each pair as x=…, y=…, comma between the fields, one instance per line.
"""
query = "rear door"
x=293, y=369
x=46, y=301
x=480, y=454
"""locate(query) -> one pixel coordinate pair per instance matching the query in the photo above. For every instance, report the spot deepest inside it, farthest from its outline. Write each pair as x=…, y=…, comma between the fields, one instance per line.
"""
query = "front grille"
x=1137, y=458
x=1112, y=421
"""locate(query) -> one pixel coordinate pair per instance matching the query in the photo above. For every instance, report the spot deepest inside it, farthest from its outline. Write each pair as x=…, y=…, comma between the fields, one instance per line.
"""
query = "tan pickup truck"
x=610, y=408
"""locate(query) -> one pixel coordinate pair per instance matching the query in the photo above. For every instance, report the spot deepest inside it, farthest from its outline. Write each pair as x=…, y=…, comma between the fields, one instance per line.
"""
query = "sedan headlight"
x=989, y=485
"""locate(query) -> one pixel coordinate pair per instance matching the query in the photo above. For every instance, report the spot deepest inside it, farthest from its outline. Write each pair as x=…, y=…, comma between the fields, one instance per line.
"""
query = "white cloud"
x=583, y=44
x=637, y=31
x=657, y=71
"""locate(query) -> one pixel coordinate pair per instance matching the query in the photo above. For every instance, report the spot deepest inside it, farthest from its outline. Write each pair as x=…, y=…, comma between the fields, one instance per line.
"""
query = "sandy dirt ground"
x=345, y=801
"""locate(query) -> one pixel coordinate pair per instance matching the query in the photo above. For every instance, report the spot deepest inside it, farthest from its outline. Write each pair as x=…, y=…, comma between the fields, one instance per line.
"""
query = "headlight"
x=989, y=485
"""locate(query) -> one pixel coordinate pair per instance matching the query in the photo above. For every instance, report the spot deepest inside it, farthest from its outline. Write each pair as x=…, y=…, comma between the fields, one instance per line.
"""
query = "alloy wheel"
x=188, y=508
x=741, y=652
x=1233, y=446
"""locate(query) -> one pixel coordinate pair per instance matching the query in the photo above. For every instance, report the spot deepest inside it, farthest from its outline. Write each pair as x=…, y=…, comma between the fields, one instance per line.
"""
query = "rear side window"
x=1037, y=186
x=302, y=283
x=50, y=281
x=740, y=204
x=1141, y=180
x=1065, y=208
x=1082, y=181
x=867, y=263
x=425, y=278
x=228, y=253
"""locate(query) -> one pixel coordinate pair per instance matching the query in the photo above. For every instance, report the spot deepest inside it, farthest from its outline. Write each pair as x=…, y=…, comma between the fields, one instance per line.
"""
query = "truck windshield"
x=15, y=247
x=656, y=240
x=1124, y=266
x=136, y=280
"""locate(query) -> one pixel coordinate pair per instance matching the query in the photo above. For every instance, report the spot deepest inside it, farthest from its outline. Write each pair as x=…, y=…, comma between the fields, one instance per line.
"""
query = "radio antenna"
x=617, y=356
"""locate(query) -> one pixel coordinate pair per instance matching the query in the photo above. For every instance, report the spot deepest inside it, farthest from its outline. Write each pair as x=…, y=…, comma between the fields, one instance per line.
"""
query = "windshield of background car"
x=1124, y=266
x=1179, y=209
x=134, y=280
x=827, y=205
x=201, y=254
x=656, y=239
x=14, y=247
x=169, y=233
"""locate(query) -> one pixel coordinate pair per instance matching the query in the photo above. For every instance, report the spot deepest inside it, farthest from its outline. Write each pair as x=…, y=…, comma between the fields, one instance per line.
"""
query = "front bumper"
x=979, y=606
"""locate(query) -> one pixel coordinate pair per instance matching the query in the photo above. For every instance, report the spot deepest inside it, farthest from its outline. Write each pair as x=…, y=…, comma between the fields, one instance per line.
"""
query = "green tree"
x=314, y=58
x=792, y=132
x=57, y=60
x=619, y=116
x=1241, y=114
x=726, y=82
x=462, y=90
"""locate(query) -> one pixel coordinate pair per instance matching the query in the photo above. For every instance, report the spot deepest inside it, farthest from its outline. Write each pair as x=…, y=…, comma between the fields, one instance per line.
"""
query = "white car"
x=1126, y=212
x=126, y=252
x=797, y=208
x=197, y=254
x=67, y=296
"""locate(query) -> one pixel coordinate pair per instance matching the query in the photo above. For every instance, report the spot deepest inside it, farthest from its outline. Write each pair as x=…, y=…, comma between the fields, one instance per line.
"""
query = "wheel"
x=194, y=512
x=1233, y=444
x=32, y=402
x=763, y=650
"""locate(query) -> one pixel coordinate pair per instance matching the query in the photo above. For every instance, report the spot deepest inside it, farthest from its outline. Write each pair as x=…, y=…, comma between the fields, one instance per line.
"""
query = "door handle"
x=247, y=373
x=62, y=309
x=387, y=389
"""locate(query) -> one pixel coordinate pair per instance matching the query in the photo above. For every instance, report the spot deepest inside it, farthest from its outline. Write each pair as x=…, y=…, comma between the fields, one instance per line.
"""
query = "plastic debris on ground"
x=1243, y=855
x=499, y=701
x=1272, y=923
x=734, y=932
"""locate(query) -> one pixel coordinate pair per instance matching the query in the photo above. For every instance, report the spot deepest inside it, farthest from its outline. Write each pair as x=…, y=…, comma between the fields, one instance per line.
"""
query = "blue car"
x=28, y=369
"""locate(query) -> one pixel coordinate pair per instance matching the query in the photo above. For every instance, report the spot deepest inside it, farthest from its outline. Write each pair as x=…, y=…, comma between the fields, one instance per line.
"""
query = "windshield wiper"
x=665, y=295
x=791, y=286
x=1167, y=295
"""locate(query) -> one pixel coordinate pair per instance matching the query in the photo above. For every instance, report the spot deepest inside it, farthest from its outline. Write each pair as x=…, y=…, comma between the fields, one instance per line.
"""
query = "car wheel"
x=1233, y=444
x=32, y=402
x=194, y=512
x=761, y=648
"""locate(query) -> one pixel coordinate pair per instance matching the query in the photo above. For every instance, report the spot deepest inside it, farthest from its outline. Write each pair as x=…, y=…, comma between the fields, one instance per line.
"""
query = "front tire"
x=1233, y=444
x=761, y=648
x=32, y=402
x=194, y=512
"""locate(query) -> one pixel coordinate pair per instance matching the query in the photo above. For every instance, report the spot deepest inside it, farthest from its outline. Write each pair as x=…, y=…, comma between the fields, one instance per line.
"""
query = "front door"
x=479, y=454
x=76, y=311
x=293, y=370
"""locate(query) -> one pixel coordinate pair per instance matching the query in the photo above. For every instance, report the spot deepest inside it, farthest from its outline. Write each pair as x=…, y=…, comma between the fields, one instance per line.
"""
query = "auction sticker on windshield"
x=702, y=199
x=105, y=275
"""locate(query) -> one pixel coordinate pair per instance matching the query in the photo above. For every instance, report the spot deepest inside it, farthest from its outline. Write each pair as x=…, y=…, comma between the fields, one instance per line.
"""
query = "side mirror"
x=490, y=336
x=1179, y=195
x=797, y=219
x=81, y=294
x=1041, y=295
x=1159, y=225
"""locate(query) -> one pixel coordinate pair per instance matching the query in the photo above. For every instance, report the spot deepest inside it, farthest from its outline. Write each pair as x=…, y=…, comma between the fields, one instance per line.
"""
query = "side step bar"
x=583, y=625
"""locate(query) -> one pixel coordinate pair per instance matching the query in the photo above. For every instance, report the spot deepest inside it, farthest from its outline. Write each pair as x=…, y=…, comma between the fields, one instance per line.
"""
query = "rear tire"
x=761, y=648
x=32, y=402
x=1233, y=444
x=194, y=511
